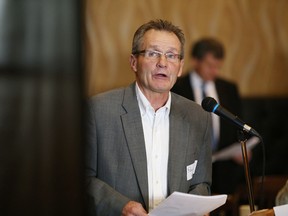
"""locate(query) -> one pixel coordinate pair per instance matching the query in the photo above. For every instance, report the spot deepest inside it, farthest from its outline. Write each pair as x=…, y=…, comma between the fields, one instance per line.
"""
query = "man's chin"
x=161, y=90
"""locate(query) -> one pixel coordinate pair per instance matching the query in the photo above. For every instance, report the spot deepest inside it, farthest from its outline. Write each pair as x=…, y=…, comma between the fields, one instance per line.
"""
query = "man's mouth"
x=161, y=75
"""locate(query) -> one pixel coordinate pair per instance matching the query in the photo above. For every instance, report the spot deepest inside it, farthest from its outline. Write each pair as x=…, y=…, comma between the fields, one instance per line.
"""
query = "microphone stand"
x=243, y=139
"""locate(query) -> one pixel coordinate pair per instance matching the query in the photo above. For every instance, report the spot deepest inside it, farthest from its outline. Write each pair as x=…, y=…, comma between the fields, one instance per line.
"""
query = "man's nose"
x=162, y=61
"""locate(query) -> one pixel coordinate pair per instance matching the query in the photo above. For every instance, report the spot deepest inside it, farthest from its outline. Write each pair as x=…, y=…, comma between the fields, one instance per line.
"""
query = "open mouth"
x=161, y=75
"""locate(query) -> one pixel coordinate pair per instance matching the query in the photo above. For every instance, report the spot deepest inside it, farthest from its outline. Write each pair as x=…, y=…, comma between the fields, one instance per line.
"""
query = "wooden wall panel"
x=254, y=32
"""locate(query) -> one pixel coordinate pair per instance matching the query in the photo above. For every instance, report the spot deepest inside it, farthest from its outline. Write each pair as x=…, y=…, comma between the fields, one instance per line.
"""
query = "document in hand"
x=281, y=210
x=182, y=204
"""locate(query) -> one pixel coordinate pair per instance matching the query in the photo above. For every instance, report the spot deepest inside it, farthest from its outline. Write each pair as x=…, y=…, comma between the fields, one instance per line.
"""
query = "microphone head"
x=208, y=104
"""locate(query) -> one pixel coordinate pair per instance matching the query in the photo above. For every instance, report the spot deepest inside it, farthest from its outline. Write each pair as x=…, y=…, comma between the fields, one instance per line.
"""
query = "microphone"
x=210, y=105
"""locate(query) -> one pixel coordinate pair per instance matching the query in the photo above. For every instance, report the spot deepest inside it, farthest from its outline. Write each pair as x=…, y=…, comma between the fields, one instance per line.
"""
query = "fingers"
x=133, y=209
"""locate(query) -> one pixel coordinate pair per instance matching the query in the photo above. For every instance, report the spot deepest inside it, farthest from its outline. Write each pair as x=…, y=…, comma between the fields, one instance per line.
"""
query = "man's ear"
x=181, y=68
x=133, y=63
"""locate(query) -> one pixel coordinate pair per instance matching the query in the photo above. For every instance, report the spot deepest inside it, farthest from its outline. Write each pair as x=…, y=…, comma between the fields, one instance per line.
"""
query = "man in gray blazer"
x=145, y=142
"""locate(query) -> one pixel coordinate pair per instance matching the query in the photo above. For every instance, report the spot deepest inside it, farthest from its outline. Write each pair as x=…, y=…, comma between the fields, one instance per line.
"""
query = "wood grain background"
x=254, y=33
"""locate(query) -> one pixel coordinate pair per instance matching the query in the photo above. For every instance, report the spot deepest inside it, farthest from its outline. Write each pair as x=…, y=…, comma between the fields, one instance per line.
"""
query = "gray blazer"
x=116, y=167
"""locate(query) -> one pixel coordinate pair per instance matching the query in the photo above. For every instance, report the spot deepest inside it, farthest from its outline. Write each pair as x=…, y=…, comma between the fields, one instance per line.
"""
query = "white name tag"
x=191, y=170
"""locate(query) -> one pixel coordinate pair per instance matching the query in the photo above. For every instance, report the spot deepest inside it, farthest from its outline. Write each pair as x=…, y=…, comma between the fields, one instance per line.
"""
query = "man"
x=207, y=57
x=145, y=142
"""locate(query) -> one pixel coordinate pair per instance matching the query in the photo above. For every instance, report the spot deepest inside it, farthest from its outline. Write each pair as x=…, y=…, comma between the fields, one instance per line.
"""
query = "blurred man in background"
x=207, y=56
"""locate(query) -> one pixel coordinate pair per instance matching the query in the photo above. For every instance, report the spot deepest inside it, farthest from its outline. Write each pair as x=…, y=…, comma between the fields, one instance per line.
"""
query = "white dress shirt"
x=210, y=90
x=156, y=135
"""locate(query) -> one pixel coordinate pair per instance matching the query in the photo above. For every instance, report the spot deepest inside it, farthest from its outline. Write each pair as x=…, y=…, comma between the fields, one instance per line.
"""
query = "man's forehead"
x=211, y=58
x=159, y=32
x=156, y=38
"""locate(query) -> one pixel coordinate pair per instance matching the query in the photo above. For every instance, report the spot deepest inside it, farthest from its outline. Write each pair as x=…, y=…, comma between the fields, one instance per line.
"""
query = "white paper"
x=183, y=204
x=234, y=150
x=281, y=210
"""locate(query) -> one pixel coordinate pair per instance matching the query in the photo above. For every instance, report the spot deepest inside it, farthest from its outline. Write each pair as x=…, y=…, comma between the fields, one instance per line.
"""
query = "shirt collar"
x=197, y=80
x=145, y=105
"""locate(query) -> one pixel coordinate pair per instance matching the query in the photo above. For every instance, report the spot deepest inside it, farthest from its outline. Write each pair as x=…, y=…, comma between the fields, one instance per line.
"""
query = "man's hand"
x=133, y=209
x=239, y=159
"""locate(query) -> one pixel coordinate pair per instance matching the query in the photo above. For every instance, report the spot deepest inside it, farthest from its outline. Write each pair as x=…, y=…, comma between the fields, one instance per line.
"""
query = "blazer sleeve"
x=102, y=199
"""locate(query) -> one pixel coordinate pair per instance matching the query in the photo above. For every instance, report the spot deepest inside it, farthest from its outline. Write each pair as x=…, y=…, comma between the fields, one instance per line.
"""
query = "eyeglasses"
x=153, y=54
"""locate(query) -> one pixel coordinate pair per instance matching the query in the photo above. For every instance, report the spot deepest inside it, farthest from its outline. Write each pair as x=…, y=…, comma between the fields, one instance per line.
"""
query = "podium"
x=263, y=212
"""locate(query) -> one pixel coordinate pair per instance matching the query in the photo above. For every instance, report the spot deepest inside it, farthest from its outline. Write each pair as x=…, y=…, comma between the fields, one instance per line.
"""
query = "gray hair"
x=161, y=25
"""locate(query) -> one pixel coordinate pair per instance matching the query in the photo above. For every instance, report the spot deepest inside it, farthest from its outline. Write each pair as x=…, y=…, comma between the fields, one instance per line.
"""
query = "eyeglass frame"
x=159, y=54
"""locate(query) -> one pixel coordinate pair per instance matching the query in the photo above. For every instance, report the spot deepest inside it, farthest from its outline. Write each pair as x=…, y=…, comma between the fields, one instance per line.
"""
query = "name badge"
x=191, y=170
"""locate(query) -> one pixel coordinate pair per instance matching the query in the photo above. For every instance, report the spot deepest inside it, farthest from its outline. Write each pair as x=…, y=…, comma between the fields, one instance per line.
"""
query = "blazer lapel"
x=179, y=131
x=132, y=125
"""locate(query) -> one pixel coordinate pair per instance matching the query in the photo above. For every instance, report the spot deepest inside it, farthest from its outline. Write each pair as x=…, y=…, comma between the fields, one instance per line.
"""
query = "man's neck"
x=156, y=99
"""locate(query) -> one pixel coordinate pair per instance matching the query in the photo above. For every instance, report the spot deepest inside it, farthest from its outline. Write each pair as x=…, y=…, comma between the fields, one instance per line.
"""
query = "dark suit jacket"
x=227, y=174
x=116, y=156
